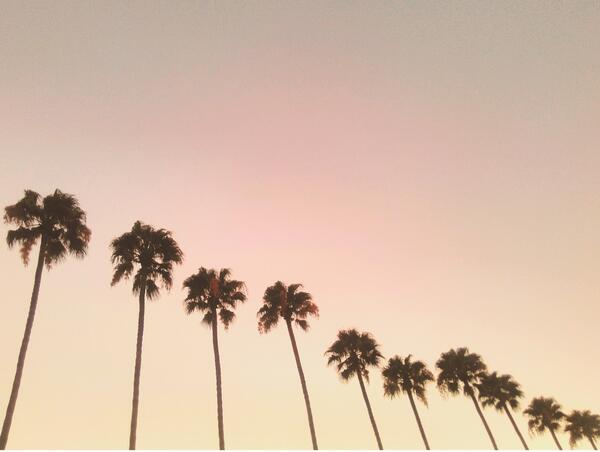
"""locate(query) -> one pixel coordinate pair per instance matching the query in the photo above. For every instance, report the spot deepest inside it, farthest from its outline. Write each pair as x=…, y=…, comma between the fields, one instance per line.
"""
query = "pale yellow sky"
x=429, y=171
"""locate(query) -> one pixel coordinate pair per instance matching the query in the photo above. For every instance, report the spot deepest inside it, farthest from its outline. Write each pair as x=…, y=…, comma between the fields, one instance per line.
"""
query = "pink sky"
x=428, y=170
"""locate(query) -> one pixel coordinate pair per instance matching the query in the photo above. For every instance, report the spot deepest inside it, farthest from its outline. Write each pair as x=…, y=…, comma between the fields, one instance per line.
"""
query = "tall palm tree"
x=216, y=295
x=294, y=306
x=353, y=353
x=460, y=369
x=59, y=224
x=545, y=414
x=410, y=377
x=149, y=255
x=501, y=392
x=583, y=424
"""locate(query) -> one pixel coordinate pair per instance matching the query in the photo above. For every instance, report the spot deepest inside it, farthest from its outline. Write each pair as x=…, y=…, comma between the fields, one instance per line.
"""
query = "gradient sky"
x=429, y=170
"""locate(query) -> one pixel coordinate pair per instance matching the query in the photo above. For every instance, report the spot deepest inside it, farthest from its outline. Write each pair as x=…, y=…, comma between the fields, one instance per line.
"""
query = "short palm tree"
x=59, y=224
x=545, y=414
x=501, y=392
x=402, y=375
x=582, y=424
x=294, y=306
x=460, y=369
x=149, y=255
x=353, y=353
x=216, y=295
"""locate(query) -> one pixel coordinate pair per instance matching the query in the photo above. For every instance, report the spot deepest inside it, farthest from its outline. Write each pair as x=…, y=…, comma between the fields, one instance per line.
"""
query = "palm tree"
x=545, y=413
x=150, y=253
x=58, y=223
x=501, y=392
x=216, y=295
x=294, y=306
x=410, y=377
x=583, y=424
x=460, y=369
x=353, y=353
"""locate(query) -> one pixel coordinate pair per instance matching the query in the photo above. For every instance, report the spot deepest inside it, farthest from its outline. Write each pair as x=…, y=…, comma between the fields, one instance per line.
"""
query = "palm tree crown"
x=56, y=219
x=404, y=375
x=214, y=293
x=353, y=353
x=582, y=424
x=289, y=303
x=499, y=390
x=152, y=251
x=459, y=368
x=544, y=413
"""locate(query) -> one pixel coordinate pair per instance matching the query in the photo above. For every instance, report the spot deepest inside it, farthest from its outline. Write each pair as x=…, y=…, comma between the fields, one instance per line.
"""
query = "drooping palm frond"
x=26, y=212
x=353, y=353
x=402, y=375
x=286, y=302
x=582, y=424
x=214, y=294
x=459, y=369
x=499, y=390
x=57, y=219
x=543, y=413
x=150, y=253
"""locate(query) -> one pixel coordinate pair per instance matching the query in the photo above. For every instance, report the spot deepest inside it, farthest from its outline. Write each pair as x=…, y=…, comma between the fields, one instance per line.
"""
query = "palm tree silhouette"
x=216, y=295
x=410, y=377
x=294, y=307
x=545, y=413
x=152, y=252
x=501, y=392
x=353, y=353
x=460, y=369
x=582, y=424
x=58, y=223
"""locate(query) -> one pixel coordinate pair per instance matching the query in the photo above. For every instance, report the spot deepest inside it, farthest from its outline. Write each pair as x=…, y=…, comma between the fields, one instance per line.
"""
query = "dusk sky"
x=430, y=171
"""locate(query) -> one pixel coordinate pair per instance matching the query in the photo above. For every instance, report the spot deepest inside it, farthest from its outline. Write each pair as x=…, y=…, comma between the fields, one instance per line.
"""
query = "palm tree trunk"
x=366, y=397
x=485, y=424
x=592, y=442
x=311, y=424
x=138, y=367
x=219, y=389
x=414, y=407
x=514, y=424
x=555, y=439
x=10, y=409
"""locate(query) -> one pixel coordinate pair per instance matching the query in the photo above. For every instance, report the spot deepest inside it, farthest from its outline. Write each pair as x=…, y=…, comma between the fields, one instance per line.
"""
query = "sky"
x=428, y=170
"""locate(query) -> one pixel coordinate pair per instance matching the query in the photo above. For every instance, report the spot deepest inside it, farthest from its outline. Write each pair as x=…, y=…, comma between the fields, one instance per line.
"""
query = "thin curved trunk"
x=485, y=424
x=12, y=402
x=138, y=367
x=219, y=389
x=366, y=397
x=555, y=439
x=311, y=424
x=592, y=442
x=414, y=407
x=514, y=424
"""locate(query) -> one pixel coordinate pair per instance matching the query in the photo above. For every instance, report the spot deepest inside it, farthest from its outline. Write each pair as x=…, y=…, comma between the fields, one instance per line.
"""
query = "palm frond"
x=405, y=375
x=214, y=293
x=26, y=212
x=354, y=353
x=544, y=413
x=149, y=252
x=459, y=369
x=582, y=424
x=57, y=219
